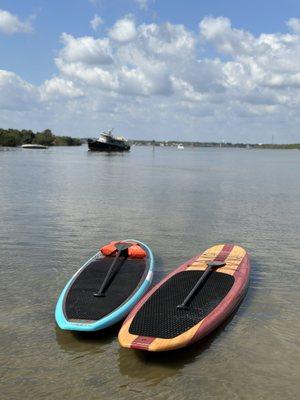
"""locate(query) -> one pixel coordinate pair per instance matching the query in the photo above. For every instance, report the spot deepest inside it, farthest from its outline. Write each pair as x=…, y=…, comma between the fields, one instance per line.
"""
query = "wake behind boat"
x=108, y=142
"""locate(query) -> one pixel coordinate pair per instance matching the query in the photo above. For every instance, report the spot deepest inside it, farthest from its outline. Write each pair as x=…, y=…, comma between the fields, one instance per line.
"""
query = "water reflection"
x=108, y=154
x=154, y=368
x=59, y=206
x=86, y=342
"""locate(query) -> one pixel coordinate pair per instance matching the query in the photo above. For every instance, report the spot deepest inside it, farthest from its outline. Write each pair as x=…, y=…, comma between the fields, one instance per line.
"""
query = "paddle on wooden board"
x=210, y=267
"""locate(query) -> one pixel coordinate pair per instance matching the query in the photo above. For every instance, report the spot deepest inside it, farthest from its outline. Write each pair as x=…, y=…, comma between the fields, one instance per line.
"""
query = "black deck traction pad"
x=159, y=316
x=80, y=304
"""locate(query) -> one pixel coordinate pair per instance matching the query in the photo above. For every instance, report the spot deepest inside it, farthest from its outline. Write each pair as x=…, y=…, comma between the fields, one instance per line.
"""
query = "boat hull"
x=95, y=145
x=34, y=146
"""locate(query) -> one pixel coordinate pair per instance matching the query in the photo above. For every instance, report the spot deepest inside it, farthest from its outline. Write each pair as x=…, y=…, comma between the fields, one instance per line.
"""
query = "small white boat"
x=33, y=146
x=180, y=146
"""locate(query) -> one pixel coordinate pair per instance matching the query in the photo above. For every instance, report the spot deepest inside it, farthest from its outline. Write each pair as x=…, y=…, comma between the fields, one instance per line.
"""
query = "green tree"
x=45, y=138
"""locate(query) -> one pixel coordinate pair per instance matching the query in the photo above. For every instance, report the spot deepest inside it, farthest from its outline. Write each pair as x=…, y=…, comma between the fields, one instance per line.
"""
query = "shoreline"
x=248, y=146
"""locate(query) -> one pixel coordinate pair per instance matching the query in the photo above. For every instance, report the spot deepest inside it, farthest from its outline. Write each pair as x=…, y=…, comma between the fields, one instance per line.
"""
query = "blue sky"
x=238, y=96
x=56, y=16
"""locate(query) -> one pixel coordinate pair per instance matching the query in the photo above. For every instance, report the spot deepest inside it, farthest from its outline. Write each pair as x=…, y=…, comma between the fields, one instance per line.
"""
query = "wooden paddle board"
x=157, y=323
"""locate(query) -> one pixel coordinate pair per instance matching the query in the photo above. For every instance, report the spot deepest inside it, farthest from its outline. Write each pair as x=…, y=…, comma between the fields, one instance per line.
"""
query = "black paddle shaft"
x=120, y=248
x=210, y=266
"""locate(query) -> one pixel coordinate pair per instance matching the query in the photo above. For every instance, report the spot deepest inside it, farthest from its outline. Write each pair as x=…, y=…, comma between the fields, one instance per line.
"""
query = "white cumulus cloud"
x=294, y=24
x=15, y=93
x=86, y=49
x=58, y=88
x=10, y=24
x=157, y=80
x=124, y=30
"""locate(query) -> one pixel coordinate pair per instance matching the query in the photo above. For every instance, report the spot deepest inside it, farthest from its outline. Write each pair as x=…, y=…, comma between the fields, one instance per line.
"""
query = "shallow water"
x=59, y=205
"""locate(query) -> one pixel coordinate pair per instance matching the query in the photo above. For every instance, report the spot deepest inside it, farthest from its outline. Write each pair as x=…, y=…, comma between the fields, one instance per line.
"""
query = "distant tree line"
x=171, y=143
x=15, y=137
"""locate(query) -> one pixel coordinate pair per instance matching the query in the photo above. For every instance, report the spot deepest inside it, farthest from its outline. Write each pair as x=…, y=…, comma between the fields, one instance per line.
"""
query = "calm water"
x=59, y=205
